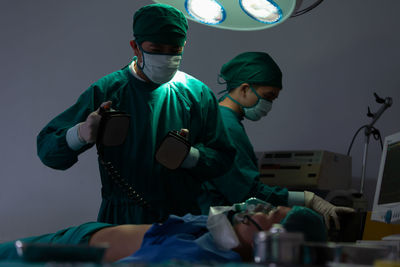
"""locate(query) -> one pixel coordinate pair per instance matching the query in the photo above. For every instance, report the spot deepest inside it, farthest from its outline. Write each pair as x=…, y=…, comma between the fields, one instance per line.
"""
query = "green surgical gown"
x=242, y=180
x=184, y=102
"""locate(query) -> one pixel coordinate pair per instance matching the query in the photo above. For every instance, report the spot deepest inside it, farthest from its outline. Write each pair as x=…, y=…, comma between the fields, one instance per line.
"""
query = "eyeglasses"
x=247, y=219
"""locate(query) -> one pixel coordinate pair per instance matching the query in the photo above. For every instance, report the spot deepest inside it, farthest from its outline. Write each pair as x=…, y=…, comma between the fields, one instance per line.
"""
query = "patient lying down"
x=184, y=238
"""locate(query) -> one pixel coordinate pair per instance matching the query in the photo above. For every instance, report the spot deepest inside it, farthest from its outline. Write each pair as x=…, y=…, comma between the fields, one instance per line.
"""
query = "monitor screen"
x=386, y=206
x=390, y=186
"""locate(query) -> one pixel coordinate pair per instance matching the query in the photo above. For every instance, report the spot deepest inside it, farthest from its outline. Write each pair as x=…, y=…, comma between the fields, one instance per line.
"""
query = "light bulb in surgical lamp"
x=264, y=11
x=205, y=11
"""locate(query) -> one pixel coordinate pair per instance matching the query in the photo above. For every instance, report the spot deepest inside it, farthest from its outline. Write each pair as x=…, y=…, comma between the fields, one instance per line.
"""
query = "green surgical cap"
x=160, y=23
x=253, y=68
x=307, y=221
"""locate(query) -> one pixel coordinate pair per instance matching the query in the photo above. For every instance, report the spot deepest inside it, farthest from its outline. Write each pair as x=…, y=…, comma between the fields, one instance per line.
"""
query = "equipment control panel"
x=302, y=170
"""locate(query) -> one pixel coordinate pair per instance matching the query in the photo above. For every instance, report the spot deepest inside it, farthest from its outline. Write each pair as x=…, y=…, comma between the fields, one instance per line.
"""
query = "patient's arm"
x=123, y=240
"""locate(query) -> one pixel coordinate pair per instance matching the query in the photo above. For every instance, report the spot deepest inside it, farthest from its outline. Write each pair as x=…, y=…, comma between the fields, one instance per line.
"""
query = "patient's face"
x=246, y=230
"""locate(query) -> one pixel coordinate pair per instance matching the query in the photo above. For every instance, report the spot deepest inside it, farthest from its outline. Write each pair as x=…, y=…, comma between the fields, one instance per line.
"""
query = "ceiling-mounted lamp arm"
x=305, y=10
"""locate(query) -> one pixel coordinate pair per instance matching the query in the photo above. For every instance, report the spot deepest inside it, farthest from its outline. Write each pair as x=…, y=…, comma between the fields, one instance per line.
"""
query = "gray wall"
x=333, y=59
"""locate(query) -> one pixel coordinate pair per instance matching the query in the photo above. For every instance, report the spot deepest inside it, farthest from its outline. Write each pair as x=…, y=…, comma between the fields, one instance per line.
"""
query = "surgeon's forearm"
x=212, y=163
x=277, y=196
x=53, y=150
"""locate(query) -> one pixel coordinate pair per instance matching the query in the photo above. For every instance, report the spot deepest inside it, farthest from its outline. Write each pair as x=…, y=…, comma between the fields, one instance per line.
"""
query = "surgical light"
x=205, y=11
x=262, y=10
x=241, y=15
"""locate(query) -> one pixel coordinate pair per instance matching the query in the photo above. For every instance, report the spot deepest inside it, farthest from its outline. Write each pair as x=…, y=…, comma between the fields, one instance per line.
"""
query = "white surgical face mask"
x=221, y=229
x=160, y=68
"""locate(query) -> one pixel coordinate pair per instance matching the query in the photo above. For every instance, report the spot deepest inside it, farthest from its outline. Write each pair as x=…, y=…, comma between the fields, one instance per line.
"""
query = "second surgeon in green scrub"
x=159, y=99
x=254, y=81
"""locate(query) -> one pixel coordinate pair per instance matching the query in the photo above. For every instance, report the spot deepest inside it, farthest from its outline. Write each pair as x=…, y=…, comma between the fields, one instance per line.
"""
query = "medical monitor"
x=386, y=206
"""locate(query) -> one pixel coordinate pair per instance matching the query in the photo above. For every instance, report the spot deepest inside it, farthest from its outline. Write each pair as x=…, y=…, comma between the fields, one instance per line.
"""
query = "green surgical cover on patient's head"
x=307, y=221
x=253, y=68
x=161, y=24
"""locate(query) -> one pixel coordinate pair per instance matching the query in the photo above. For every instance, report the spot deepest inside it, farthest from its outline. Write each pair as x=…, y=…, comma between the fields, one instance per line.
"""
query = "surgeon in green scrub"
x=254, y=81
x=159, y=98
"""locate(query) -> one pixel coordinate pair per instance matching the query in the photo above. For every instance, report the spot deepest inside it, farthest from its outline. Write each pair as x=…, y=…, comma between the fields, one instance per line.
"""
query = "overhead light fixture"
x=261, y=10
x=241, y=15
x=206, y=11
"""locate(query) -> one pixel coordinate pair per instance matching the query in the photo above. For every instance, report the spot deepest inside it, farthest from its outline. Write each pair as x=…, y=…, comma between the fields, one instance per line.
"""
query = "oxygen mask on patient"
x=246, y=214
x=253, y=205
x=221, y=219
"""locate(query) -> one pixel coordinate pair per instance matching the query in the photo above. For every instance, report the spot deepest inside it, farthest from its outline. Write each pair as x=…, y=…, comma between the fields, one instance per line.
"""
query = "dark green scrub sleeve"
x=52, y=147
x=216, y=152
x=275, y=195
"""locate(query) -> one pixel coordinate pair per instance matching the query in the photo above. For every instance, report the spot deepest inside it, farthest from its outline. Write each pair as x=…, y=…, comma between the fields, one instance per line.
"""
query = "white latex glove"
x=87, y=130
x=325, y=208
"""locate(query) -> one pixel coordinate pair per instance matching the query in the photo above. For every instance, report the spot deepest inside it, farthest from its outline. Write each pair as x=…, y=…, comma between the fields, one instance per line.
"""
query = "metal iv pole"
x=387, y=102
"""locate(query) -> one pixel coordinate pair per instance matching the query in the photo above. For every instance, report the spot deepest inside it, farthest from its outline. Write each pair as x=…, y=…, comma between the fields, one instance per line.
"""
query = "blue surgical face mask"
x=159, y=68
x=258, y=110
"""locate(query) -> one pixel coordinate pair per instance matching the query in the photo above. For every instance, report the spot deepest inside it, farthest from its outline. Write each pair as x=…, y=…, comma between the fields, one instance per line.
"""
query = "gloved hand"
x=325, y=208
x=87, y=130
